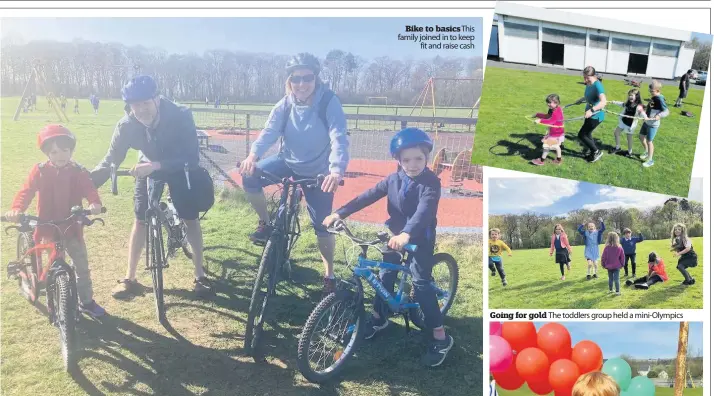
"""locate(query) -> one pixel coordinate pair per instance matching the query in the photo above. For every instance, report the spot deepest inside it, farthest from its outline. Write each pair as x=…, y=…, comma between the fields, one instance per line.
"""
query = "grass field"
x=534, y=283
x=505, y=139
x=525, y=391
x=129, y=352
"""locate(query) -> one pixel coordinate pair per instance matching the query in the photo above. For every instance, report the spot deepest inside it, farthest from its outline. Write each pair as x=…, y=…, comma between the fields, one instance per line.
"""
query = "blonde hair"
x=684, y=237
x=556, y=228
x=655, y=85
x=496, y=230
x=595, y=383
x=613, y=239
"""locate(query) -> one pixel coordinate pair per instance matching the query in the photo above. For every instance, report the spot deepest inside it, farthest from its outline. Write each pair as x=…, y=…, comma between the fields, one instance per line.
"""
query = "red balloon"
x=588, y=356
x=520, y=335
x=563, y=374
x=561, y=393
x=540, y=387
x=509, y=379
x=532, y=365
x=554, y=340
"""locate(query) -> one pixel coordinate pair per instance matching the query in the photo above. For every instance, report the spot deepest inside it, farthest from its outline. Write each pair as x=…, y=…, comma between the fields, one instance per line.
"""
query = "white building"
x=544, y=37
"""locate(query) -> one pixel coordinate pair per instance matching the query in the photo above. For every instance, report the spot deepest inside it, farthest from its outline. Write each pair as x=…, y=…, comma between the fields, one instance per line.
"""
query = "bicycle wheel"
x=259, y=300
x=331, y=335
x=185, y=246
x=66, y=317
x=27, y=282
x=445, y=274
x=154, y=263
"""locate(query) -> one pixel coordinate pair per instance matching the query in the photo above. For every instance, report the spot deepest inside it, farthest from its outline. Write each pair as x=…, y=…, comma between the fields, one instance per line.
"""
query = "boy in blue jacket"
x=413, y=194
x=629, y=245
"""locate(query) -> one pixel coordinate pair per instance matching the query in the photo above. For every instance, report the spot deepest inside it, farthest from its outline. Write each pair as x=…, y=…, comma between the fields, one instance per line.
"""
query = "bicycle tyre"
x=66, y=319
x=415, y=314
x=347, y=298
x=185, y=246
x=25, y=242
x=259, y=302
x=154, y=262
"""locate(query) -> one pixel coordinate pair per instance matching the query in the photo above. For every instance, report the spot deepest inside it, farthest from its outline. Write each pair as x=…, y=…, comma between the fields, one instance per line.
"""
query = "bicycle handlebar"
x=77, y=211
x=308, y=183
x=340, y=227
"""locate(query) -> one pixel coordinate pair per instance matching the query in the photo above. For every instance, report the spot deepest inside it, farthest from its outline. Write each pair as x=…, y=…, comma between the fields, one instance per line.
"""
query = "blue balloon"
x=620, y=371
x=641, y=386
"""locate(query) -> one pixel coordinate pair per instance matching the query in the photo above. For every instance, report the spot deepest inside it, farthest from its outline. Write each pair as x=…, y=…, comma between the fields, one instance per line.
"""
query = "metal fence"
x=227, y=135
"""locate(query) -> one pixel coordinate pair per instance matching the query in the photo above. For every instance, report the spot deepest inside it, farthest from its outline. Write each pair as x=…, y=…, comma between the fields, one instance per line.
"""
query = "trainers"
x=92, y=309
x=692, y=281
x=644, y=156
x=618, y=294
x=643, y=286
x=562, y=278
x=437, y=351
x=595, y=276
x=261, y=234
x=538, y=162
x=329, y=285
x=202, y=287
x=629, y=283
x=568, y=265
x=596, y=156
x=127, y=288
x=609, y=292
x=504, y=282
x=374, y=326
x=614, y=150
x=493, y=273
x=648, y=163
x=557, y=161
x=588, y=277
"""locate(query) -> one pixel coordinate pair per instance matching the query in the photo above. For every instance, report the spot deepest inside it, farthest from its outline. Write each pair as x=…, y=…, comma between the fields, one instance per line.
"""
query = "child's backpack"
x=687, y=113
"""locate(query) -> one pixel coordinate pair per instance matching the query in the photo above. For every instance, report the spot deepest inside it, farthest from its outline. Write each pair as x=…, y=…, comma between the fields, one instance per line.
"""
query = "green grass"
x=534, y=283
x=505, y=139
x=129, y=352
x=525, y=391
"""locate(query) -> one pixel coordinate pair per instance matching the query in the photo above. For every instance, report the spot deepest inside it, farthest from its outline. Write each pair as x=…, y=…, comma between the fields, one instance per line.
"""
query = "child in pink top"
x=612, y=259
x=556, y=133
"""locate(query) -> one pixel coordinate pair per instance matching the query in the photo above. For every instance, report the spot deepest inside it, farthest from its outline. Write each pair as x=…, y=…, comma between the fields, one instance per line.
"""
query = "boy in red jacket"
x=60, y=184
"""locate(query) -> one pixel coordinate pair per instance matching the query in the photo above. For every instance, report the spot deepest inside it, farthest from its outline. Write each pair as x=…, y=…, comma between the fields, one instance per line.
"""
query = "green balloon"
x=620, y=371
x=641, y=386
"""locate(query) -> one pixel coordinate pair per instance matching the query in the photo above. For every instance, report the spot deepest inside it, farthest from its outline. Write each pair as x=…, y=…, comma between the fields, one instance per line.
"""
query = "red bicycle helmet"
x=53, y=131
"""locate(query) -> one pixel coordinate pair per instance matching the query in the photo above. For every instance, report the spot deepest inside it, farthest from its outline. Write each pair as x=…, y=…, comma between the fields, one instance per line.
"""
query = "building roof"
x=579, y=19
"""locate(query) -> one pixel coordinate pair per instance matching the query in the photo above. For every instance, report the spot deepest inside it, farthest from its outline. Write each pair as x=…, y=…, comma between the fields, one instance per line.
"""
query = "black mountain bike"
x=275, y=260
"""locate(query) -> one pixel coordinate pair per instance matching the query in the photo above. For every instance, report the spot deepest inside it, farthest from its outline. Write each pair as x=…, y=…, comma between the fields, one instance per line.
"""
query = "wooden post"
x=247, y=135
x=24, y=93
x=680, y=367
x=357, y=120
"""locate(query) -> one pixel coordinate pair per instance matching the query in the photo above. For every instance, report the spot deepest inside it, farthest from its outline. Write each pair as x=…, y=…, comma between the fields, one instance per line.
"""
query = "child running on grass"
x=613, y=258
x=559, y=243
x=556, y=133
x=413, y=194
x=629, y=244
x=595, y=100
x=631, y=110
x=593, y=239
x=656, y=110
x=496, y=247
x=61, y=184
x=656, y=273
x=682, y=248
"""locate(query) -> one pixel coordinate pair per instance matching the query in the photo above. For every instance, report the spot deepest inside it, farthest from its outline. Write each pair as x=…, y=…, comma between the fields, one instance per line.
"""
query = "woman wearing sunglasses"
x=312, y=129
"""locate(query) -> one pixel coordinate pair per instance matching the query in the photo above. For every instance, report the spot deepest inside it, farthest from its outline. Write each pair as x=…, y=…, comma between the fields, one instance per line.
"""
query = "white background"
x=683, y=17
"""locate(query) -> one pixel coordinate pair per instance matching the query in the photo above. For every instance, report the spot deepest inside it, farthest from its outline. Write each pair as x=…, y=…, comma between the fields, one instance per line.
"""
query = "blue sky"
x=642, y=340
x=552, y=196
x=366, y=37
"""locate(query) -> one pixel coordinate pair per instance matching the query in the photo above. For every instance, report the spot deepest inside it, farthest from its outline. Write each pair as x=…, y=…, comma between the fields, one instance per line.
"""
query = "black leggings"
x=631, y=257
x=586, y=134
x=651, y=281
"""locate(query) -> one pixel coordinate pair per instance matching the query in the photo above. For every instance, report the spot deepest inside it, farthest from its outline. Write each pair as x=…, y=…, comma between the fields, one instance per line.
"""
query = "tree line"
x=81, y=68
x=531, y=230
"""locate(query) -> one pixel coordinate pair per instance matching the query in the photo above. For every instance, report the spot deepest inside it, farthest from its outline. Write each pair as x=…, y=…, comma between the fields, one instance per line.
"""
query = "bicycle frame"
x=396, y=303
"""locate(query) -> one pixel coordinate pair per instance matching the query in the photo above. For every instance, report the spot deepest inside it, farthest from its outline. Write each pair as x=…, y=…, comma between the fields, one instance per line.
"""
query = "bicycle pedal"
x=13, y=269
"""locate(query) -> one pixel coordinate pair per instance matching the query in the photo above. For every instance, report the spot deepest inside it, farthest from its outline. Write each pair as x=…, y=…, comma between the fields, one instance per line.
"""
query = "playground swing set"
x=35, y=84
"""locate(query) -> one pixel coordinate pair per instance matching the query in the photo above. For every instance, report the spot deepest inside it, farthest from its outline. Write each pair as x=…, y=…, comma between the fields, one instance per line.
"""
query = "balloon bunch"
x=547, y=361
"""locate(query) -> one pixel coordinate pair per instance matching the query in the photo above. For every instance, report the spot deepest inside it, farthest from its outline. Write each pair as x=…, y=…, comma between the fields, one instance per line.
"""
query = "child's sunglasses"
x=307, y=78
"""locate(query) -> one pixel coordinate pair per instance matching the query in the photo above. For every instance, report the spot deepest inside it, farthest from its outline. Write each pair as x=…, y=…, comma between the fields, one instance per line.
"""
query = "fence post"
x=357, y=120
x=404, y=125
x=396, y=114
x=247, y=135
x=234, y=120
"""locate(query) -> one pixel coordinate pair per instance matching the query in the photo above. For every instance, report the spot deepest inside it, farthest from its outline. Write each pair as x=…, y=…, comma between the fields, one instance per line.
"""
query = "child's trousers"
x=77, y=251
x=613, y=276
x=497, y=266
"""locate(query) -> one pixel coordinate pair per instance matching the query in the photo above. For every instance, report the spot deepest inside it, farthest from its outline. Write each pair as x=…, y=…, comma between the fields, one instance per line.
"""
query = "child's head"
x=591, y=226
x=553, y=101
x=411, y=147
x=679, y=230
x=589, y=75
x=613, y=239
x=595, y=383
x=58, y=143
x=652, y=258
x=633, y=96
x=655, y=87
x=495, y=233
x=558, y=229
x=627, y=232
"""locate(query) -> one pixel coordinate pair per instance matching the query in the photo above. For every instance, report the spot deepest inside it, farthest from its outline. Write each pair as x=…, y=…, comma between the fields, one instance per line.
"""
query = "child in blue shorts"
x=413, y=194
x=656, y=110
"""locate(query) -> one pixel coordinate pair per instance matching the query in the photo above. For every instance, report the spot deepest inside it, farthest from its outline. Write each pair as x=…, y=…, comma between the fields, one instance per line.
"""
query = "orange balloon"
x=532, y=365
x=520, y=335
x=554, y=340
x=563, y=374
x=509, y=379
x=540, y=387
x=588, y=356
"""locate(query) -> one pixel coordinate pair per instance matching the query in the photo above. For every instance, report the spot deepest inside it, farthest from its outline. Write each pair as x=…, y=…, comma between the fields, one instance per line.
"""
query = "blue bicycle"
x=335, y=328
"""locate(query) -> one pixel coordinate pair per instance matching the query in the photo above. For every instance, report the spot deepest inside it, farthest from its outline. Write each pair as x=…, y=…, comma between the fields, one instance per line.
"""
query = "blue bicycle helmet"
x=139, y=89
x=409, y=137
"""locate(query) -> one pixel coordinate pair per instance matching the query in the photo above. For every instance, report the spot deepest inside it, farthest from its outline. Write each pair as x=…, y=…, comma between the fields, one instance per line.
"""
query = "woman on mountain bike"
x=413, y=194
x=312, y=128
